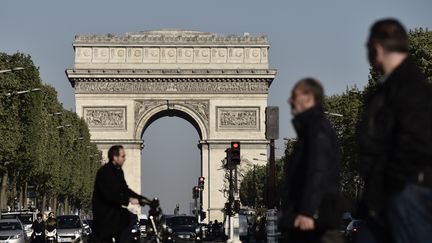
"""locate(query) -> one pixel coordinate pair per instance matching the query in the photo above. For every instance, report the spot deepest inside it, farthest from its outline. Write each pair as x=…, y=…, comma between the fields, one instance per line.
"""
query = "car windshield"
x=24, y=218
x=358, y=223
x=68, y=222
x=10, y=226
x=182, y=221
x=143, y=221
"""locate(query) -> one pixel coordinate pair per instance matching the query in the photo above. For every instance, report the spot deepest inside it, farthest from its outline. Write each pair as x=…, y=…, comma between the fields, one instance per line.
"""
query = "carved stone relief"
x=171, y=87
x=105, y=117
x=238, y=118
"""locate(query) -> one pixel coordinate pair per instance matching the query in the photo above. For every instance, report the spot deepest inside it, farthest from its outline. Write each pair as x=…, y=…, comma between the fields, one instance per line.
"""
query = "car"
x=181, y=228
x=70, y=228
x=353, y=229
x=142, y=221
x=88, y=230
x=26, y=217
x=245, y=226
x=12, y=231
x=345, y=220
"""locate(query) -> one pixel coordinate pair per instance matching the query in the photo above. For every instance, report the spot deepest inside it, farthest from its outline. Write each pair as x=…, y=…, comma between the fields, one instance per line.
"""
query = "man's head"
x=306, y=93
x=387, y=39
x=51, y=215
x=117, y=155
x=39, y=216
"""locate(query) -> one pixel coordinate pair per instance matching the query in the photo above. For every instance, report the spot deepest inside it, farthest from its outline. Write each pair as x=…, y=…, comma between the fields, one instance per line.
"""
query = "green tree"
x=43, y=144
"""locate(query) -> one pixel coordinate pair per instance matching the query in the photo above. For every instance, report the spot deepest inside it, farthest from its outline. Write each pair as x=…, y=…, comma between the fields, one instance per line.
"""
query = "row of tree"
x=46, y=157
x=346, y=109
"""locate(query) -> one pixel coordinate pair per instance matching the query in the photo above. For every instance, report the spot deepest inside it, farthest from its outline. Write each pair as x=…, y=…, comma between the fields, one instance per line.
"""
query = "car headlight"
x=197, y=230
x=17, y=236
x=134, y=230
x=169, y=230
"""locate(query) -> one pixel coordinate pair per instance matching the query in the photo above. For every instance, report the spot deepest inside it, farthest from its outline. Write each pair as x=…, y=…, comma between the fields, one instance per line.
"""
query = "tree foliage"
x=44, y=146
x=349, y=105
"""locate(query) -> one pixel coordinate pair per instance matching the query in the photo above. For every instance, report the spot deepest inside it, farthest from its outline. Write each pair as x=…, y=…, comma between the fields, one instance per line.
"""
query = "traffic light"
x=201, y=181
x=228, y=209
x=195, y=192
x=236, y=206
x=235, y=153
x=203, y=215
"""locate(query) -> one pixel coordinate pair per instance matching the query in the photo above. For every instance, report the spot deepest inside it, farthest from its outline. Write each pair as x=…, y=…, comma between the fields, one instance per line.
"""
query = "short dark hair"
x=312, y=86
x=114, y=151
x=390, y=34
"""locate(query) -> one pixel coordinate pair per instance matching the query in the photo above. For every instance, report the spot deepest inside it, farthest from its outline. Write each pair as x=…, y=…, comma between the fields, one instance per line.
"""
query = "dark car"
x=143, y=227
x=136, y=233
x=181, y=228
x=353, y=229
x=88, y=230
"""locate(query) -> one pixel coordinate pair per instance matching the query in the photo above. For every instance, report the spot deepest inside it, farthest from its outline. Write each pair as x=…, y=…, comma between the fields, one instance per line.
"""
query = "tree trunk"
x=25, y=201
x=66, y=205
x=54, y=204
x=44, y=199
x=20, y=198
x=3, y=196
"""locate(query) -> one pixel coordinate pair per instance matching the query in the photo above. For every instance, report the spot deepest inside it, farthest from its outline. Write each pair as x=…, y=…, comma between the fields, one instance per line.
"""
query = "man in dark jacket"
x=395, y=143
x=312, y=173
x=110, y=197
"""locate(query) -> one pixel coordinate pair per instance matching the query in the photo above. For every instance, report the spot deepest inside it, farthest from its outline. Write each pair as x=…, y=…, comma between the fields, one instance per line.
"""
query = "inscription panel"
x=83, y=54
x=151, y=55
x=235, y=118
x=105, y=118
x=134, y=55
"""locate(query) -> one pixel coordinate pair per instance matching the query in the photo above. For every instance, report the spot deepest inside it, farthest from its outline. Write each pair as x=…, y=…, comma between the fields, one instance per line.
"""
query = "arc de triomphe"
x=217, y=83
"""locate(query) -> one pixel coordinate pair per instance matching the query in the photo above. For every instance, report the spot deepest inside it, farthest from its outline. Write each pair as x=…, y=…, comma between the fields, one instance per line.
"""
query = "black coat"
x=395, y=138
x=111, y=193
x=312, y=171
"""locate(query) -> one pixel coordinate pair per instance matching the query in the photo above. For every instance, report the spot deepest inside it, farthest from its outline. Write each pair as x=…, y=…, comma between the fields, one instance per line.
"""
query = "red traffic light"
x=235, y=145
x=196, y=188
x=201, y=178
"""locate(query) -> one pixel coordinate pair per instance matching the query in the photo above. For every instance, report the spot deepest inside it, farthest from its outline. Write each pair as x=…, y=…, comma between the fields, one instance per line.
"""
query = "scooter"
x=154, y=229
x=51, y=235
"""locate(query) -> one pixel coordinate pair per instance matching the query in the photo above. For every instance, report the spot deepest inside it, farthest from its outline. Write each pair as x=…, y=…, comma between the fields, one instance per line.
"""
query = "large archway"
x=218, y=83
x=171, y=161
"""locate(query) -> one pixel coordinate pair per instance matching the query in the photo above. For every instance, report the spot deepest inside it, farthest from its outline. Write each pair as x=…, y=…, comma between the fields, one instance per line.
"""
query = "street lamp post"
x=11, y=70
x=333, y=114
x=9, y=94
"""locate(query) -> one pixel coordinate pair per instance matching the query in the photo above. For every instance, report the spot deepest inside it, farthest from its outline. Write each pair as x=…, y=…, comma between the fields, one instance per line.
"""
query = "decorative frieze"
x=171, y=87
x=167, y=55
x=105, y=117
x=238, y=118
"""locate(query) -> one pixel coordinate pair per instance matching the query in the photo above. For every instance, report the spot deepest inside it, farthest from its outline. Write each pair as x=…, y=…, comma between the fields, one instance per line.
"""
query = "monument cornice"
x=268, y=73
x=171, y=37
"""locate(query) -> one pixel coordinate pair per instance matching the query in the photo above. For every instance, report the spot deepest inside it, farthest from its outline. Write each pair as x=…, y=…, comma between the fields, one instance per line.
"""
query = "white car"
x=11, y=231
x=70, y=228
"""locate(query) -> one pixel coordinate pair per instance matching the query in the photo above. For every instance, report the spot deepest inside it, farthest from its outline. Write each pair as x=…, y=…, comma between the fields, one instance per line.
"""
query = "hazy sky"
x=322, y=39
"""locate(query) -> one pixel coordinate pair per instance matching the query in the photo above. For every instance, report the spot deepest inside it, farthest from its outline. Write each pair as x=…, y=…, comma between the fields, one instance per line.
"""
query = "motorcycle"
x=51, y=235
x=37, y=237
x=154, y=227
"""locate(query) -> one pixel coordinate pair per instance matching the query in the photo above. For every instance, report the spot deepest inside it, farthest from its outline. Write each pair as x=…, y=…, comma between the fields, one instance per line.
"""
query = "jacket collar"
x=303, y=119
x=397, y=71
x=113, y=166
